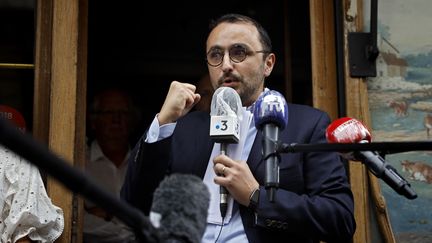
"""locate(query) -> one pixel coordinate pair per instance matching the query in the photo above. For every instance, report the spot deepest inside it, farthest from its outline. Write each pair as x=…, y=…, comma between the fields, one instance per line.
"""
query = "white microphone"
x=225, y=112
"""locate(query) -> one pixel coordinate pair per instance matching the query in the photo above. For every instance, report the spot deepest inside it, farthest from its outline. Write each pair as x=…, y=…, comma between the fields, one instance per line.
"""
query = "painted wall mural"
x=400, y=101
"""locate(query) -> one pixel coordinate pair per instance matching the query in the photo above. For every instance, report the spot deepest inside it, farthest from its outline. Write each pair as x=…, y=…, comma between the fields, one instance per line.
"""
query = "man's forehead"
x=226, y=34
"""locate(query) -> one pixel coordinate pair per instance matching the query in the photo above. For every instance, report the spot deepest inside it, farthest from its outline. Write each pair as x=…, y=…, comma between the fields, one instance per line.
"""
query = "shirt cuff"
x=157, y=133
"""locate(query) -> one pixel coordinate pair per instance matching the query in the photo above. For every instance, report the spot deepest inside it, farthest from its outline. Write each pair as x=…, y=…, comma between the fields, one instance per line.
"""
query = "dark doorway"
x=17, y=26
x=144, y=48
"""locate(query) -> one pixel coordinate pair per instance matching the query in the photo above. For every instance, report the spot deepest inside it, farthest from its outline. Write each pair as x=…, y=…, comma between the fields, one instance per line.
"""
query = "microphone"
x=179, y=208
x=225, y=112
x=349, y=130
x=271, y=117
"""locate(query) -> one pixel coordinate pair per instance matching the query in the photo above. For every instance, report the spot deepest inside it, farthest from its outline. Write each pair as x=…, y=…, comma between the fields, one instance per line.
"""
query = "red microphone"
x=349, y=130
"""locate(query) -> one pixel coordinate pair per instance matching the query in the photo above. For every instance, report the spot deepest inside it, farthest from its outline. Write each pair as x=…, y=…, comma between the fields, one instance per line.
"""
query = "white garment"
x=25, y=208
x=111, y=178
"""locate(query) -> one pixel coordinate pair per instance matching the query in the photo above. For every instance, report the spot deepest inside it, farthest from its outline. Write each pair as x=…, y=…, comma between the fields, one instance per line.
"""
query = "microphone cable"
x=220, y=231
x=225, y=207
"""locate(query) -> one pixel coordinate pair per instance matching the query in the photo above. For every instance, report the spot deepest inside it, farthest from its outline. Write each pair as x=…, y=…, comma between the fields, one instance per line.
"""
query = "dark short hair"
x=236, y=18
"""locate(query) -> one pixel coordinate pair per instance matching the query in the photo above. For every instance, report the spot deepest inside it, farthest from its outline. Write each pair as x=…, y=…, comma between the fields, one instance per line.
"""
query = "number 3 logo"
x=224, y=125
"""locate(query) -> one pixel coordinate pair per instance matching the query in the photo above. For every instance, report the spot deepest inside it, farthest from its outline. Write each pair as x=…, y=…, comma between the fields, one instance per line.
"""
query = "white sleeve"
x=157, y=133
x=25, y=208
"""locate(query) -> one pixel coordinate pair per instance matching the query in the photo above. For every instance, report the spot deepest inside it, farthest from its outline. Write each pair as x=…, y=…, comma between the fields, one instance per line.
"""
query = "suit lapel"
x=255, y=155
x=204, y=150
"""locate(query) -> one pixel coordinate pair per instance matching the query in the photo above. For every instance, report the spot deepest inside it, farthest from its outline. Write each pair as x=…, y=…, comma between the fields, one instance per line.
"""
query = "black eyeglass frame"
x=232, y=48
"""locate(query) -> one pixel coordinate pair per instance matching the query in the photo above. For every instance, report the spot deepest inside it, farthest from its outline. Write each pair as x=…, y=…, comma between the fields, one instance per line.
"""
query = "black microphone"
x=349, y=130
x=271, y=117
x=180, y=207
x=225, y=112
x=381, y=169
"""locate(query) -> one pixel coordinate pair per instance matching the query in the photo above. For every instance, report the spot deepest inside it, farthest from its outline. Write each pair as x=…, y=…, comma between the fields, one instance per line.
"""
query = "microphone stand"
x=388, y=147
x=76, y=180
x=377, y=165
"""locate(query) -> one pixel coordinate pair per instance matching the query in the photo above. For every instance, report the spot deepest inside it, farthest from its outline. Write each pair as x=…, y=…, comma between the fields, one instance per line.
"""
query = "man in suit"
x=313, y=202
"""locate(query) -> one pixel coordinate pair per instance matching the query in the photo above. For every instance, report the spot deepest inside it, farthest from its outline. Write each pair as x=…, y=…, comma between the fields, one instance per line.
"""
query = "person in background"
x=112, y=116
x=27, y=214
x=205, y=89
x=314, y=201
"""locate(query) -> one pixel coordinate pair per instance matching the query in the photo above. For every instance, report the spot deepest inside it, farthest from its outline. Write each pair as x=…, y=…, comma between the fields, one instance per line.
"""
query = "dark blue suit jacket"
x=314, y=201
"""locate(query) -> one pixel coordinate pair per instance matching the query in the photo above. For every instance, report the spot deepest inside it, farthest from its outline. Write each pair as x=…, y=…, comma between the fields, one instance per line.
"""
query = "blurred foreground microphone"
x=271, y=117
x=225, y=112
x=349, y=130
x=179, y=208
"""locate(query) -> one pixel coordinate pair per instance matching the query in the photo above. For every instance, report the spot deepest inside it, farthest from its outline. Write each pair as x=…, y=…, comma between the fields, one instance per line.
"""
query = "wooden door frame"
x=60, y=96
x=365, y=186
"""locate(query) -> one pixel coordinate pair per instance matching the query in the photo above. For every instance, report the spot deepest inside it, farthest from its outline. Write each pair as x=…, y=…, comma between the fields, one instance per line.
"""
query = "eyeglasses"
x=237, y=53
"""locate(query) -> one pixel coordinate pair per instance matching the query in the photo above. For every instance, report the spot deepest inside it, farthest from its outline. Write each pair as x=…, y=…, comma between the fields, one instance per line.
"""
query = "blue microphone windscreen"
x=271, y=107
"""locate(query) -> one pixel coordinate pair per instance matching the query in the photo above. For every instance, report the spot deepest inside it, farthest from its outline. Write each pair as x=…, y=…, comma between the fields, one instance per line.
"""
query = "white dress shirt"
x=110, y=177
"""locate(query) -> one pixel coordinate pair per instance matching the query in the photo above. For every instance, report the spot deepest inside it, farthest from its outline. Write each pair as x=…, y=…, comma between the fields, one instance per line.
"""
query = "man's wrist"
x=254, y=199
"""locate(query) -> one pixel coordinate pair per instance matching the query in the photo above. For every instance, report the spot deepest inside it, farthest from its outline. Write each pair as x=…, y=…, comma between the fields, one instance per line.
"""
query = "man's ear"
x=269, y=64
